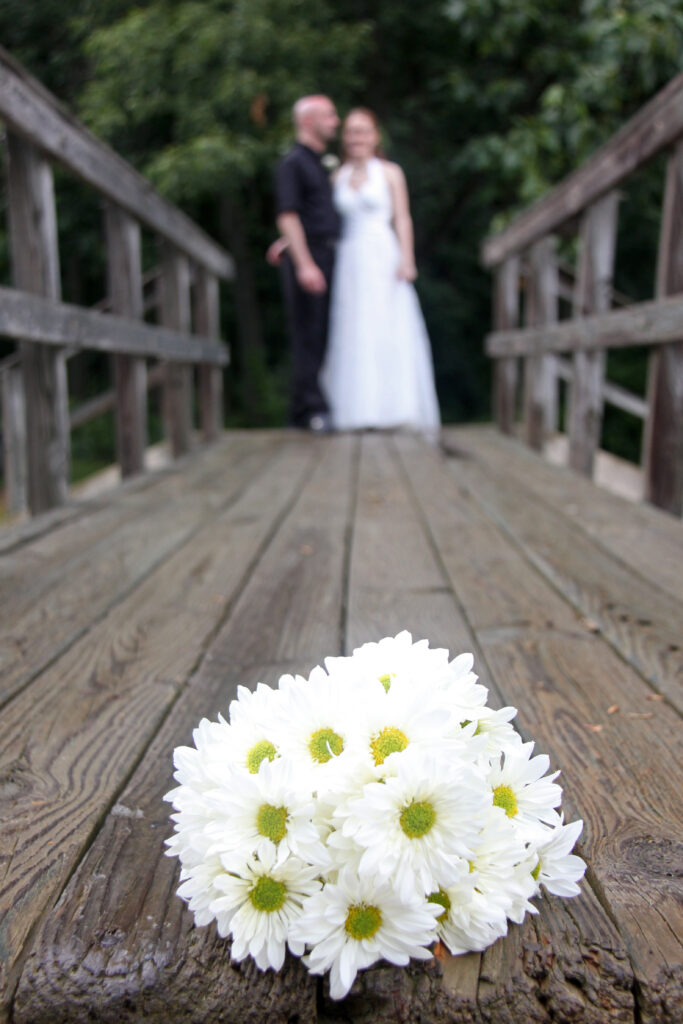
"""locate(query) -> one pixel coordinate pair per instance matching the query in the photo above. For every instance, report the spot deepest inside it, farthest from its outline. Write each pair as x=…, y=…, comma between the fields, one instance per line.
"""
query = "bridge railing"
x=574, y=349
x=36, y=421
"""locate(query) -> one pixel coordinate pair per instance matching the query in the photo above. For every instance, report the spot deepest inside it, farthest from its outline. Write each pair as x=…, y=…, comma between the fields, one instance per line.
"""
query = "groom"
x=308, y=221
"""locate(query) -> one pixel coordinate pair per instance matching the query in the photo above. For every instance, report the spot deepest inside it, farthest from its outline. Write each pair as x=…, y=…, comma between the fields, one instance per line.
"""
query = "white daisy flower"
x=353, y=923
x=558, y=869
x=521, y=792
x=261, y=899
x=420, y=826
x=392, y=661
x=249, y=811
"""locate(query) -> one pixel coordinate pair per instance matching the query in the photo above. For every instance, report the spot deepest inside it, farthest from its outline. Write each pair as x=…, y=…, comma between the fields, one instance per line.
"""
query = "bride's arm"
x=403, y=222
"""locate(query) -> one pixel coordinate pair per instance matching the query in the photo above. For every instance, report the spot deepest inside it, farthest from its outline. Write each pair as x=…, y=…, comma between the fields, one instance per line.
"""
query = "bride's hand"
x=407, y=272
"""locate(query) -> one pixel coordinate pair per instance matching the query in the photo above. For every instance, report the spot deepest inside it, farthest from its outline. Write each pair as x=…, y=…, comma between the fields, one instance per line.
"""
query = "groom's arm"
x=308, y=273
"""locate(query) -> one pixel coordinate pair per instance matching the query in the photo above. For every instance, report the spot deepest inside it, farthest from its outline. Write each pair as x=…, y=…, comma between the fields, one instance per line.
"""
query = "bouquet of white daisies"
x=365, y=813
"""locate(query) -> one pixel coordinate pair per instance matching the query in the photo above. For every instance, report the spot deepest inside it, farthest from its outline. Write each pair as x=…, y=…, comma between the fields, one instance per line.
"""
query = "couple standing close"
x=360, y=352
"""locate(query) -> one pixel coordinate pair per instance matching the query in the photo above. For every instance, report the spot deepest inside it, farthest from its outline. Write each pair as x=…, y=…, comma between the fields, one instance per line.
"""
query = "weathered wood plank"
x=210, y=378
x=642, y=624
x=61, y=772
x=58, y=323
x=396, y=581
x=663, y=442
x=124, y=288
x=612, y=393
x=34, y=113
x=175, y=313
x=54, y=592
x=655, y=126
x=640, y=536
x=540, y=372
x=645, y=323
x=14, y=439
x=119, y=944
x=35, y=268
x=564, y=680
x=593, y=294
x=505, y=316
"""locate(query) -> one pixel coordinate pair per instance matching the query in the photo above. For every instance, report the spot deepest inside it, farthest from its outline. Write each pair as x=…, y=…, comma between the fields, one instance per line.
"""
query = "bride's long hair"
x=371, y=116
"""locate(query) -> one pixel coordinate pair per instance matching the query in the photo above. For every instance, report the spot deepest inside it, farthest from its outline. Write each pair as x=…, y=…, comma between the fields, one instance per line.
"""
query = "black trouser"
x=307, y=317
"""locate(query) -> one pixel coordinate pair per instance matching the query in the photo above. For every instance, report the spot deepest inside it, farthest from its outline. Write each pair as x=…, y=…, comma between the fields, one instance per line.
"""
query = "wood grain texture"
x=641, y=537
x=54, y=592
x=61, y=772
x=642, y=623
x=540, y=370
x=506, y=296
x=120, y=945
x=655, y=126
x=615, y=766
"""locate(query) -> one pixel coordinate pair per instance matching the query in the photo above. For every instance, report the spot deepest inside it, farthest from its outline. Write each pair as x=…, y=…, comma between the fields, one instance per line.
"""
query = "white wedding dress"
x=378, y=368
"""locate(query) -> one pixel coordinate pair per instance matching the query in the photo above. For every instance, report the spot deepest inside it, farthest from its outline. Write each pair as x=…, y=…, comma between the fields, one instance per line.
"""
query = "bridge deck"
x=124, y=621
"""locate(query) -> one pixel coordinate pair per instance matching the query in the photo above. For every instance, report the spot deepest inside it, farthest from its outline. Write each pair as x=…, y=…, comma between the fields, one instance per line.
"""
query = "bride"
x=378, y=367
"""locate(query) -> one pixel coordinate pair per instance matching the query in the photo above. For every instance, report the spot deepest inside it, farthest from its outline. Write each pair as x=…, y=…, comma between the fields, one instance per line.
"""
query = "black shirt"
x=302, y=186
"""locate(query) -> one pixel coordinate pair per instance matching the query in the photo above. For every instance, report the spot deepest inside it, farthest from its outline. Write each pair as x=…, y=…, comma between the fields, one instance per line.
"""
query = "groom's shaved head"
x=315, y=120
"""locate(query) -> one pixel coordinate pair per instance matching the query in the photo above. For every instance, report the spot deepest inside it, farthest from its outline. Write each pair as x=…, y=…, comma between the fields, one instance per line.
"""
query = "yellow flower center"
x=268, y=895
x=504, y=797
x=324, y=745
x=386, y=680
x=272, y=822
x=443, y=899
x=536, y=872
x=362, y=922
x=388, y=741
x=258, y=753
x=417, y=819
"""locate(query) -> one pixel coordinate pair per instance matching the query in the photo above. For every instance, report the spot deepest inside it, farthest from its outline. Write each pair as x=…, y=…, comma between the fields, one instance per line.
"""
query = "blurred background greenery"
x=485, y=104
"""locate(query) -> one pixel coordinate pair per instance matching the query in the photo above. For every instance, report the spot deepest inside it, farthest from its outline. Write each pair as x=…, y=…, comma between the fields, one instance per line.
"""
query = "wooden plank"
x=52, y=323
x=62, y=772
x=175, y=312
x=593, y=294
x=505, y=316
x=52, y=593
x=124, y=287
x=210, y=378
x=540, y=375
x=663, y=442
x=14, y=439
x=106, y=401
x=640, y=536
x=35, y=114
x=119, y=944
x=564, y=680
x=653, y=128
x=612, y=394
x=642, y=623
x=645, y=323
x=35, y=268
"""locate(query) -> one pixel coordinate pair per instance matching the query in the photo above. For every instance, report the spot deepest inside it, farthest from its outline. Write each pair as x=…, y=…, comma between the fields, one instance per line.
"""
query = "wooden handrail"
x=35, y=114
x=656, y=125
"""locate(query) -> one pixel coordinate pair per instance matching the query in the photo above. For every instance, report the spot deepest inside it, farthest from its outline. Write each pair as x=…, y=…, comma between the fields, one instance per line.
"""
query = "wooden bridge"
x=128, y=617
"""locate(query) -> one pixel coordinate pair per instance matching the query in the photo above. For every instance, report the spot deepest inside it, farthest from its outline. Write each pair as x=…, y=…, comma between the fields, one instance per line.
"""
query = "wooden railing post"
x=207, y=323
x=663, y=441
x=540, y=372
x=592, y=294
x=175, y=312
x=35, y=268
x=505, y=316
x=124, y=277
x=14, y=438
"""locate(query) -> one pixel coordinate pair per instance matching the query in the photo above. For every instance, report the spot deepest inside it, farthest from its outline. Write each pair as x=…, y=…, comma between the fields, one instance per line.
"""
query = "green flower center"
x=417, y=819
x=268, y=895
x=443, y=899
x=386, y=680
x=362, y=921
x=259, y=752
x=388, y=741
x=536, y=872
x=504, y=797
x=324, y=745
x=272, y=822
